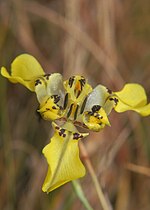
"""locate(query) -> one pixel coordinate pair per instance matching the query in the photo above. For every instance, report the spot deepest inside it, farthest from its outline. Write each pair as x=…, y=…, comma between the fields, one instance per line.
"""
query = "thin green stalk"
x=79, y=192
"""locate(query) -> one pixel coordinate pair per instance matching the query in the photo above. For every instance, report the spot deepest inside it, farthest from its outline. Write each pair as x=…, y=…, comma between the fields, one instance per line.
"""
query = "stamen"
x=66, y=101
x=71, y=80
x=79, y=92
x=82, y=82
x=70, y=110
x=76, y=112
x=83, y=105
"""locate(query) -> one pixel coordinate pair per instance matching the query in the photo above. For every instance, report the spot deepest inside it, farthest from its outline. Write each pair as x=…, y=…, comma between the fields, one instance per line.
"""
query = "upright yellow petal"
x=62, y=155
x=25, y=69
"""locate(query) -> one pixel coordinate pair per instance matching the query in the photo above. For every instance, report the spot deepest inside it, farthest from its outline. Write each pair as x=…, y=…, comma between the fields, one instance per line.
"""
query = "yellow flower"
x=62, y=154
x=74, y=102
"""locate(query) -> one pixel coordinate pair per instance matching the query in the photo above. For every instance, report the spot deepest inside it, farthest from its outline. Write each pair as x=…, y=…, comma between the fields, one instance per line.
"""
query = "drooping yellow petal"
x=15, y=79
x=25, y=69
x=62, y=155
x=132, y=97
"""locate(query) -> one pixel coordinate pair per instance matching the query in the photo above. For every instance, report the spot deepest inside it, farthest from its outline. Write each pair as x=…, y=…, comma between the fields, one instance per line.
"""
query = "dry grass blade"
x=77, y=34
x=138, y=169
x=105, y=203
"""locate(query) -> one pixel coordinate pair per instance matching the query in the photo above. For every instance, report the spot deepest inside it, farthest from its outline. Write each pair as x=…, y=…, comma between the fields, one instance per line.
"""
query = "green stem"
x=79, y=192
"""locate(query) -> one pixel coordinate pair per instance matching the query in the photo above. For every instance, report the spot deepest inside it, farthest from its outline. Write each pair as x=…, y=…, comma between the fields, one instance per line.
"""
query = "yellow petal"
x=24, y=70
x=26, y=67
x=132, y=97
x=28, y=84
x=144, y=111
x=62, y=155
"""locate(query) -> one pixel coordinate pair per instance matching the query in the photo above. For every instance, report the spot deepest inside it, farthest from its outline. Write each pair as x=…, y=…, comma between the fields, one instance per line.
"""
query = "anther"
x=71, y=80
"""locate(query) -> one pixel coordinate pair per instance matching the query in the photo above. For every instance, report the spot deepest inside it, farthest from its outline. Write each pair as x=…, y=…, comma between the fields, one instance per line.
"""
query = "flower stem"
x=79, y=192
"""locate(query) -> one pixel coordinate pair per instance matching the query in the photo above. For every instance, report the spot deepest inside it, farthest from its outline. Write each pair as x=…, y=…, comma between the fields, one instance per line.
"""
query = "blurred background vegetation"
x=107, y=41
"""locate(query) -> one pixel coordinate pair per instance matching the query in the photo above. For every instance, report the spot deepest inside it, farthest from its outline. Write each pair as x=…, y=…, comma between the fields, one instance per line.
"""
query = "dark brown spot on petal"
x=96, y=108
x=37, y=82
x=62, y=131
x=109, y=91
x=76, y=136
x=90, y=113
x=57, y=128
x=47, y=76
x=56, y=98
x=114, y=99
